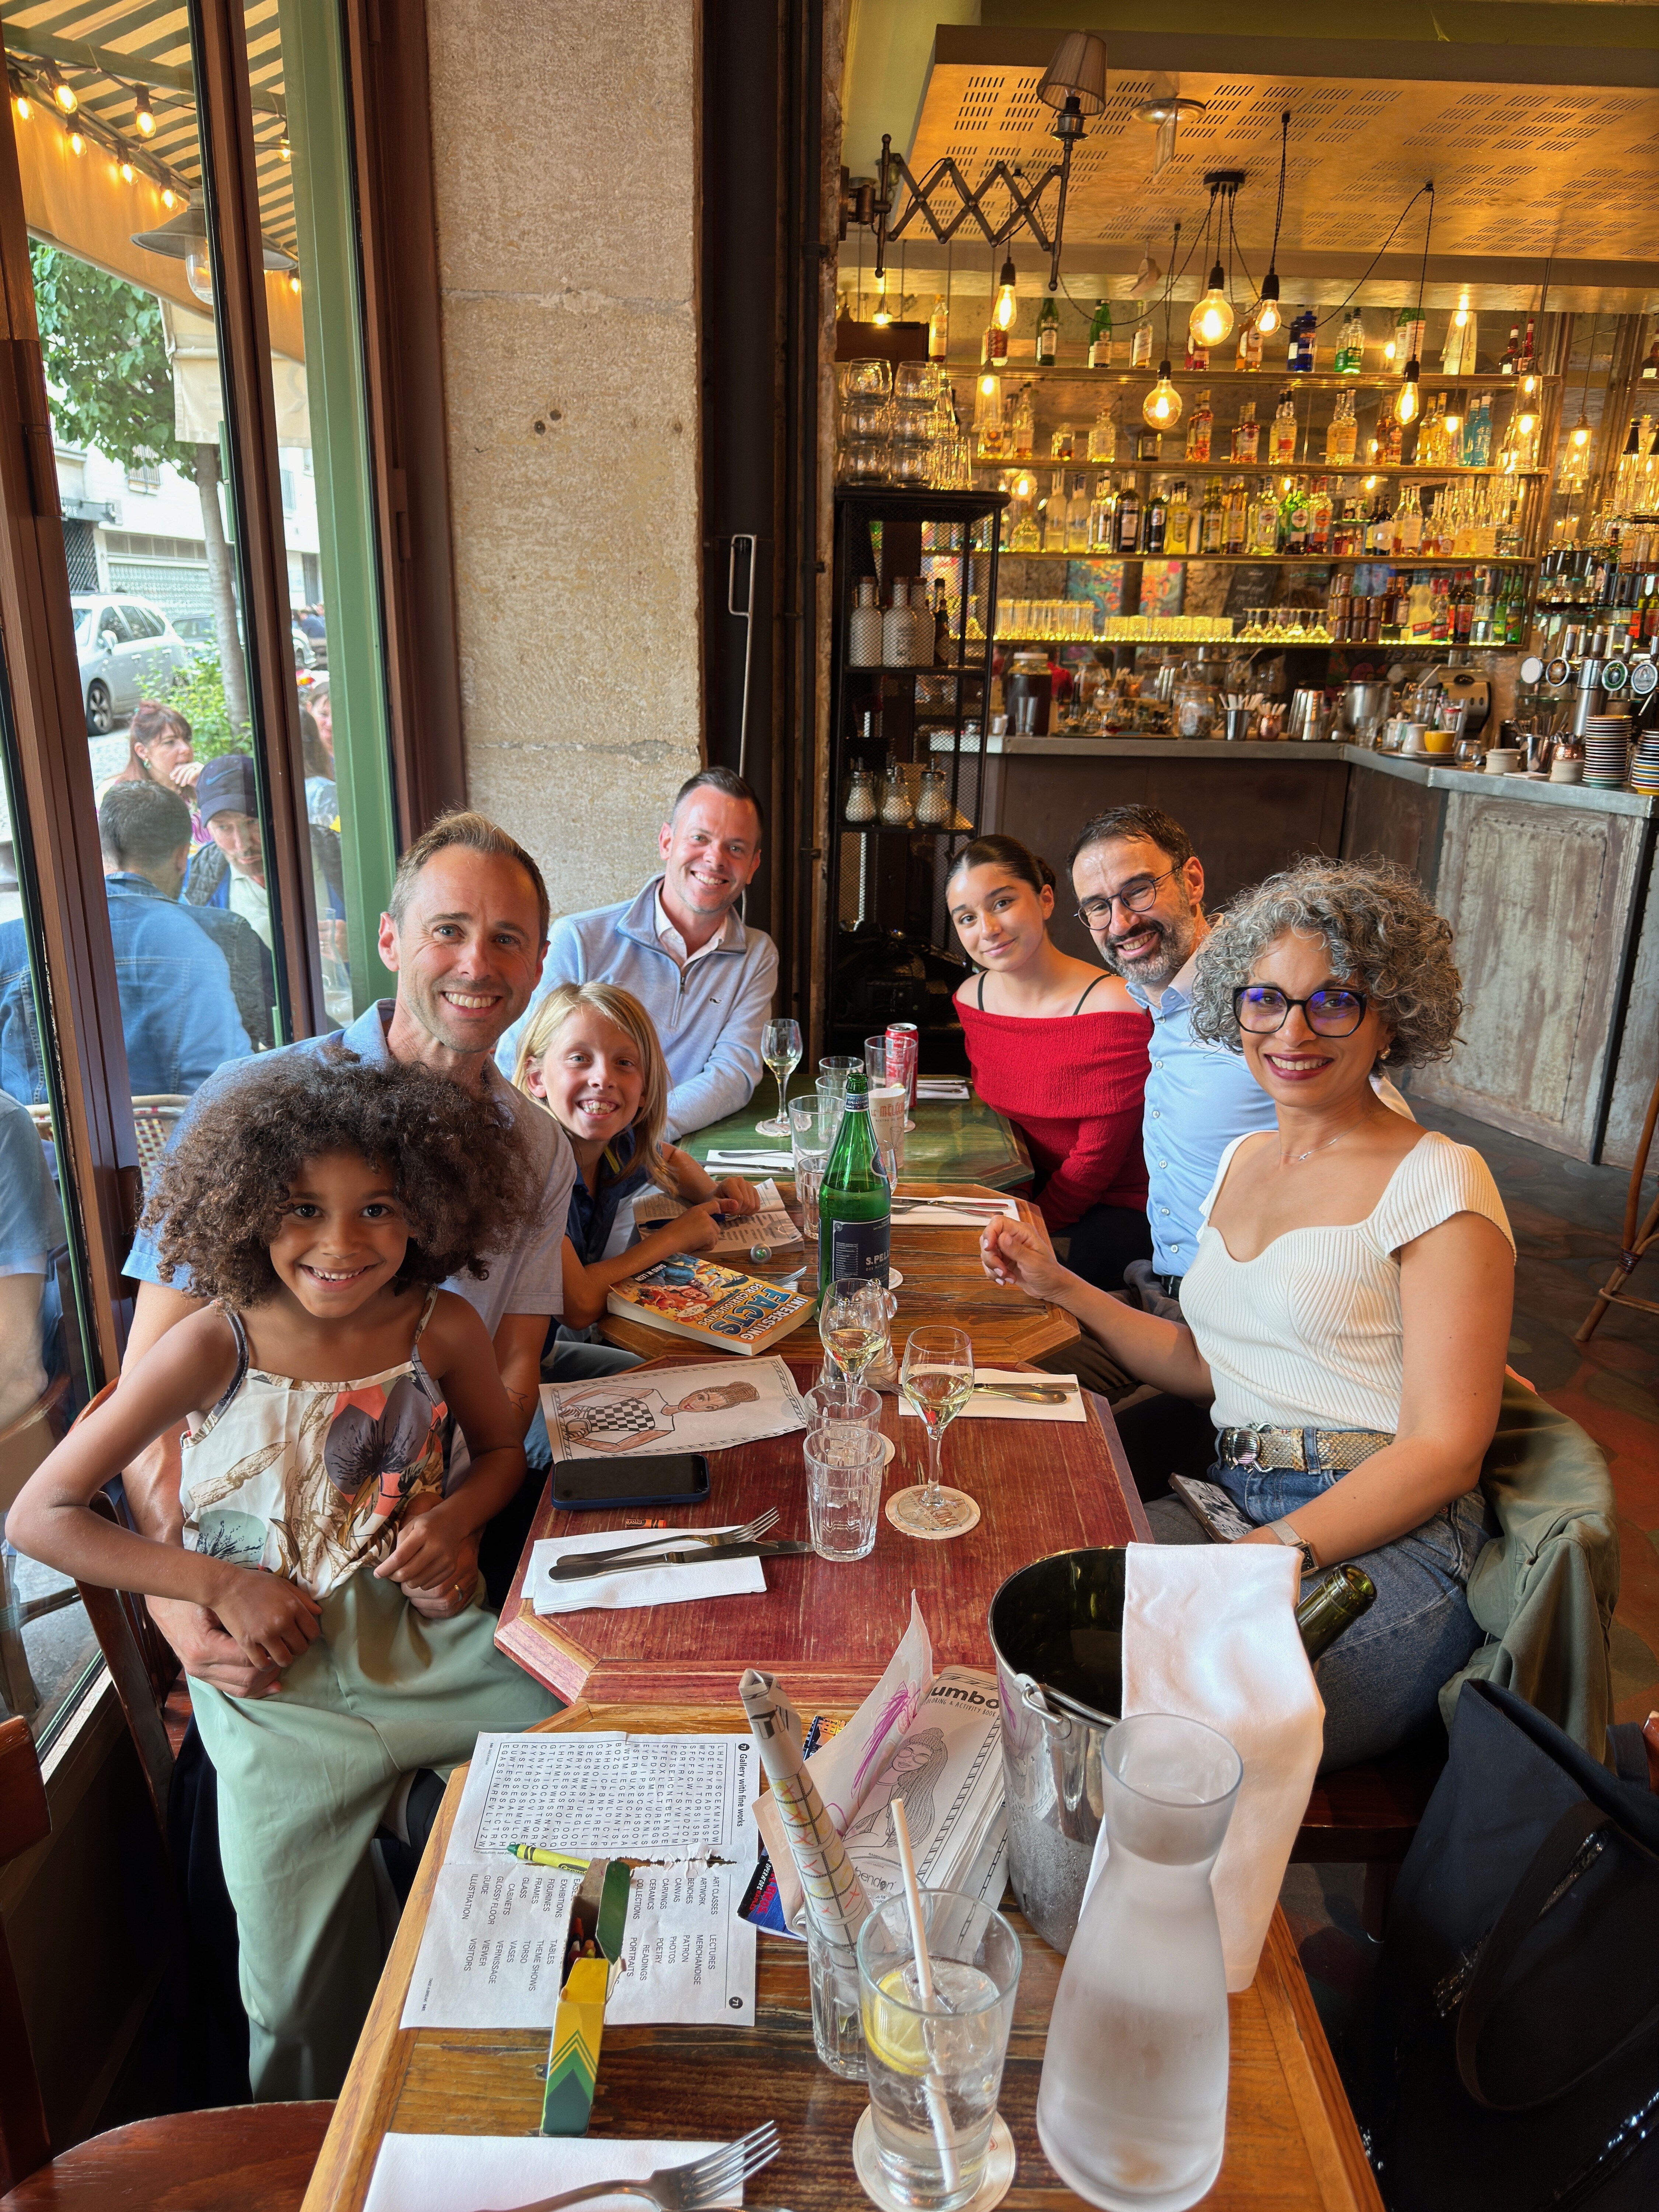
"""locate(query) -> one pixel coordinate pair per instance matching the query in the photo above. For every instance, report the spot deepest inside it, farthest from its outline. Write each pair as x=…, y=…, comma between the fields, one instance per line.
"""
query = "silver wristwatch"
x=1286, y=1535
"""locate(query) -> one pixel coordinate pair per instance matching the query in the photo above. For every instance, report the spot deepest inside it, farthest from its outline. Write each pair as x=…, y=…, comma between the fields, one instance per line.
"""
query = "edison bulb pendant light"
x=1409, y=400
x=1007, y=303
x=198, y=272
x=1212, y=319
x=1581, y=430
x=1161, y=408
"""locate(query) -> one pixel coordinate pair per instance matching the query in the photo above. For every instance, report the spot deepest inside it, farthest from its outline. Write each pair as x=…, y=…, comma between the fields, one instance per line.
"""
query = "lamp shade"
x=1077, y=71
x=184, y=232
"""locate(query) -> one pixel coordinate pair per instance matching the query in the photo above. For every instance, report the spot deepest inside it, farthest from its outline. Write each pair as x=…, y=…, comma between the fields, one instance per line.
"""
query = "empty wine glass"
x=938, y=1379
x=780, y=1048
x=853, y=1324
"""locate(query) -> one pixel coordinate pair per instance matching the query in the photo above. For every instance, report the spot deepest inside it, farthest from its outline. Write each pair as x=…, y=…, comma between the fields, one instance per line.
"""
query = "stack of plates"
x=1607, y=751
x=1645, y=769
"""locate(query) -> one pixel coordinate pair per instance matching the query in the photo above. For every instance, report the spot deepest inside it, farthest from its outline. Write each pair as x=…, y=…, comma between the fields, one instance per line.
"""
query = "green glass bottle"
x=854, y=1203
x=1334, y=1604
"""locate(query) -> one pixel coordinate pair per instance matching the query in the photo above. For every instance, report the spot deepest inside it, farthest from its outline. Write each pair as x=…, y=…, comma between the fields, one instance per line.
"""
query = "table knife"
x=578, y=1569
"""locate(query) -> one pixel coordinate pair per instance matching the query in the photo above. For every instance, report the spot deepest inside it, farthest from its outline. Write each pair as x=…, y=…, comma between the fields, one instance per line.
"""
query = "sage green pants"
x=303, y=1777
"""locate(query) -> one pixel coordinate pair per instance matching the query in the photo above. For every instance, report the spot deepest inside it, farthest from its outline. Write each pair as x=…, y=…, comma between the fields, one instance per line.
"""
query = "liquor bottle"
x=1440, y=622
x=1200, y=424
x=1178, y=523
x=1408, y=525
x=1062, y=443
x=1302, y=342
x=1281, y=450
x=1198, y=357
x=1526, y=365
x=1249, y=345
x=1027, y=532
x=1128, y=519
x=1237, y=523
x=1480, y=613
x=993, y=347
x=1319, y=518
x=944, y=645
x=1407, y=340
x=1047, y=333
x=1157, y=521
x=1392, y=443
x=1515, y=619
x=1141, y=353
x=855, y=1200
x=1024, y=424
x=1511, y=360
x=1056, y=516
x=1102, y=516
x=1077, y=528
x=938, y=331
x=1247, y=435
x=1296, y=517
x=1100, y=336
x=1213, y=522
x=1264, y=522
x=1462, y=612
x=1102, y=439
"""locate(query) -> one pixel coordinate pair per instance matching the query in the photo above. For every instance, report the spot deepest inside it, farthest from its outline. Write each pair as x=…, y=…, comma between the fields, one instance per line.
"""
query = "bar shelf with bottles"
x=915, y=599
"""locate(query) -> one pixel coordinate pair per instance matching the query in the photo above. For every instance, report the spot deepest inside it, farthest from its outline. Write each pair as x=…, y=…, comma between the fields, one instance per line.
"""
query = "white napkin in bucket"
x=1209, y=1633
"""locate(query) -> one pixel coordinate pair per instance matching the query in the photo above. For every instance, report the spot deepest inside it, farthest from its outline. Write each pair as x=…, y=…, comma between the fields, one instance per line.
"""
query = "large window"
x=198, y=758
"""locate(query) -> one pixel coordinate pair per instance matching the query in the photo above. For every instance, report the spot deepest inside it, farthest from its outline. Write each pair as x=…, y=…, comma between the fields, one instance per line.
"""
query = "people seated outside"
x=1346, y=1314
x=317, y=1204
x=591, y=1056
x=144, y=831
x=30, y=1226
x=1061, y=1049
x=160, y=749
x=231, y=871
x=682, y=948
x=179, y=1010
x=1139, y=891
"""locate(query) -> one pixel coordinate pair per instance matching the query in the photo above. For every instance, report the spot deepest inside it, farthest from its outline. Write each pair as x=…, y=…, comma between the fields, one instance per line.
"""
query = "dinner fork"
x=713, y=1540
x=690, y=2188
x=1029, y=1394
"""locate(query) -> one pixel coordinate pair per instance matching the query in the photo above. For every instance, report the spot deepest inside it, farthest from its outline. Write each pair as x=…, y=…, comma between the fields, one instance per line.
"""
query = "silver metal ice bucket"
x=1057, y=1631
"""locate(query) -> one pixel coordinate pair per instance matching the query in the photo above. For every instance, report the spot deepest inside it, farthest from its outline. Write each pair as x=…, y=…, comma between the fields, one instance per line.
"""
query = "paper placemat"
x=981, y=1406
x=709, y=1404
x=458, y=2173
x=632, y=1587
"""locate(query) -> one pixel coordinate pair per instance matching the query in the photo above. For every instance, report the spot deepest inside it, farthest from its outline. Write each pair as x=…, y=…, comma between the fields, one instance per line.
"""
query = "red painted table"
x=1042, y=1486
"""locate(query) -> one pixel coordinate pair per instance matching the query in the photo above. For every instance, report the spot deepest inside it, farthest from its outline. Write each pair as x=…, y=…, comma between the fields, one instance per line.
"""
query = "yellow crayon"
x=533, y=1855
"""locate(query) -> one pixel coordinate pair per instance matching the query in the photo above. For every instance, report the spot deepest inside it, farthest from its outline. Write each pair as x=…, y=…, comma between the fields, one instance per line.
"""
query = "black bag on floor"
x=1511, y=2041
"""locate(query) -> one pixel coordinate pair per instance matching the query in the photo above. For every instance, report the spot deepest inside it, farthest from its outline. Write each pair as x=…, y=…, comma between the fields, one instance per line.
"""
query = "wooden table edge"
x=369, y=2096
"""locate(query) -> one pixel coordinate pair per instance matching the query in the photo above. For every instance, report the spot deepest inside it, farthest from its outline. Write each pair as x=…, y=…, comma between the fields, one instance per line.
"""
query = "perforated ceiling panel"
x=1571, y=170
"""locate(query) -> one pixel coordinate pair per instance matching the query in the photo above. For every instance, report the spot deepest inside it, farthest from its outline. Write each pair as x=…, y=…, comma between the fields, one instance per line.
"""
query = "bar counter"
x=1550, y=889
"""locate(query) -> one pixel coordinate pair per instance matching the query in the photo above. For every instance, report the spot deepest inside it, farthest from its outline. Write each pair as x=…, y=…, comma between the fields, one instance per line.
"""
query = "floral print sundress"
x=312, y=1479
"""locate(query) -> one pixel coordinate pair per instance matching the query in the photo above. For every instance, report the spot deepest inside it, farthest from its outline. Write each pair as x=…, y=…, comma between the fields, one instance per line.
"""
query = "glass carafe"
x=1131, y=2111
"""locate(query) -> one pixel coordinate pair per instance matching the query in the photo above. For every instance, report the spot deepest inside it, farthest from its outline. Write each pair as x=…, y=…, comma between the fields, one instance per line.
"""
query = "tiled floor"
x=1567, y=1219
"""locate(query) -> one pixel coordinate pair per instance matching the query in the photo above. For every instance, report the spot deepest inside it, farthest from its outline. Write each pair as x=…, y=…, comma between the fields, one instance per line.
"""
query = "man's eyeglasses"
x=1262, y=1010
x=1136, y=895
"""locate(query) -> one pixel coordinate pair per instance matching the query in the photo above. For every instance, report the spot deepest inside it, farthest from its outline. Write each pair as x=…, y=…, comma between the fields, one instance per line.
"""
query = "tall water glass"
x=1131, y=2109
x=838, y=1065
x=887, y=1102
x=936, y=2074
x=843, y=1489
x=833, y=1401
x=812, y=1126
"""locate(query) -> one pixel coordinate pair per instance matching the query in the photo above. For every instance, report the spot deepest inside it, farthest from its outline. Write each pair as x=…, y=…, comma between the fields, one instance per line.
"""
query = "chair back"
x=24, y=1822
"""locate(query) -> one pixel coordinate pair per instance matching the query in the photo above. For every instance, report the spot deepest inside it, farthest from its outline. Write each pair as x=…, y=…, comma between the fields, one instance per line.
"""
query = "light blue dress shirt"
x=1199, y=1098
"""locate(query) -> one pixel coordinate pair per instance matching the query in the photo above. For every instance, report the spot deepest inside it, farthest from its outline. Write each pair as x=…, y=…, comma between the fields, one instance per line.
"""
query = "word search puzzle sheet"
x=492, y=1955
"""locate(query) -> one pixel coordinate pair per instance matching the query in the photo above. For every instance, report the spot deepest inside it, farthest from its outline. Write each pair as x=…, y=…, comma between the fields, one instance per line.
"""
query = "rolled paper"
x=835, y=1895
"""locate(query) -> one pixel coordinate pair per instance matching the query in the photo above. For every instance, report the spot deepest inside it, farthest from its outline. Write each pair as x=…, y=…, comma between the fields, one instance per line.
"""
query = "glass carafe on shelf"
x=1102, y=438
x=1132, y=2109
x=1023, y=424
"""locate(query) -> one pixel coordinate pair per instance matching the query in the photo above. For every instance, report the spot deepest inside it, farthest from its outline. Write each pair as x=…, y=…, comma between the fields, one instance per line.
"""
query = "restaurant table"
x=829, y=1629
x=960, y=1141
x=1291, y=2142
x=944, y=1281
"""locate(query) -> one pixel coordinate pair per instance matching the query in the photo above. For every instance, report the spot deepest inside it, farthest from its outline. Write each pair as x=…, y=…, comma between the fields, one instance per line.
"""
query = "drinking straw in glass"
x=780, y=1048
x=937, y=1379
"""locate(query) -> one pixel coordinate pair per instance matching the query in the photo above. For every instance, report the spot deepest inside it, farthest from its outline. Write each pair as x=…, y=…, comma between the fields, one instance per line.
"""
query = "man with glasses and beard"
x=1139, y=889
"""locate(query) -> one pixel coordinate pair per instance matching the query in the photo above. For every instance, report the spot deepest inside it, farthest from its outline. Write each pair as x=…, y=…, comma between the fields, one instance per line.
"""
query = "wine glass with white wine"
x=780, y=1049
x=852, y=1324
x=937, y=1379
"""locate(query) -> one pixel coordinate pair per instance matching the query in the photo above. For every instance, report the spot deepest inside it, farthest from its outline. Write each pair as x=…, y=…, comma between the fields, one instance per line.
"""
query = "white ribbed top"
x=1308, y=1333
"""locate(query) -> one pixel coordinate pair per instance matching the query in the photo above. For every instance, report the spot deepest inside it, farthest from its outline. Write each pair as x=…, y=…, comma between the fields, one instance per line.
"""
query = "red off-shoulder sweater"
x=1072, y=1085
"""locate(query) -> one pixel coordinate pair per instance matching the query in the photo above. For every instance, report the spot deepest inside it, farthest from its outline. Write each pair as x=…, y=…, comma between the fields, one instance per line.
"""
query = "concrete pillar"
x=564, y=141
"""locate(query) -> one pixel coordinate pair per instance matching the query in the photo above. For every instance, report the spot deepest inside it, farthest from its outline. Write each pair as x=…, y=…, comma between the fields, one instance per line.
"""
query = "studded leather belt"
x=1276, y=1450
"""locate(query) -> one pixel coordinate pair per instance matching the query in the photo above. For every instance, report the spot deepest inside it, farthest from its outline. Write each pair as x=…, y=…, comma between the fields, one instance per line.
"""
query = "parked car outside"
x=128, y=651
x=201, y=634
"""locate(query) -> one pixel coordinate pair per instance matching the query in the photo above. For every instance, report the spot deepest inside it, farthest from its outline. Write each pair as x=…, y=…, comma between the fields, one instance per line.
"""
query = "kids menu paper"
x=707, y=1408
x=493, y=1952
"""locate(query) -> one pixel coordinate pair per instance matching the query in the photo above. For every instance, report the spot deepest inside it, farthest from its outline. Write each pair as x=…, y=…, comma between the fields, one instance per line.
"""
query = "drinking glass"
x=829, y=1401
x=813, y=1123
x=838, y=1067
x=853, y=1324
x=780, y=1048
x=844, y=1462
x=936, y=2073
x=937, y=1380
x=887, y=1127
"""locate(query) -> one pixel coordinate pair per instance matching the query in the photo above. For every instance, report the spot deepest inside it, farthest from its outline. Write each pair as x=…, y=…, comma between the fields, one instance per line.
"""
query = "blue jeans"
x=1381, y=1679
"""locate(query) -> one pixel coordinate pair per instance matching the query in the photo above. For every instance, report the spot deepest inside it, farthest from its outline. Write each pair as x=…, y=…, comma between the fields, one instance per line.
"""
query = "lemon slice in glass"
x=893, y=2031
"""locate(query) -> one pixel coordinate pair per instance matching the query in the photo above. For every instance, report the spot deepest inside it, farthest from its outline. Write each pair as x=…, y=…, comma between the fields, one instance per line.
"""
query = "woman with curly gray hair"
x=1347, y=1314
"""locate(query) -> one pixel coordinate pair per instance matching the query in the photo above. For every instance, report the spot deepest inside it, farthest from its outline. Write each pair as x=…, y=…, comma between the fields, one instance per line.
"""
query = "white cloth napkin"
x=982, y=1406
x=457, y=2173
x=941, y=1086
x=638, y=1586
x=1209, y=1632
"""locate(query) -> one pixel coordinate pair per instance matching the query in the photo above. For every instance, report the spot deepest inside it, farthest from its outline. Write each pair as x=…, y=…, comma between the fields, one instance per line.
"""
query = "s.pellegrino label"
x=854, y=1203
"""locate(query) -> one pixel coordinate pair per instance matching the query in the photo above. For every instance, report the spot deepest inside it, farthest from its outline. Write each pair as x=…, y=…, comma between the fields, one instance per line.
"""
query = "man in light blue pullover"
x=681, y=947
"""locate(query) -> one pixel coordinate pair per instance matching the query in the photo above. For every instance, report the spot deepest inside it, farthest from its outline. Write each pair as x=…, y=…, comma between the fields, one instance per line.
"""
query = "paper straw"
x=835, y=1895
x=938, y=2110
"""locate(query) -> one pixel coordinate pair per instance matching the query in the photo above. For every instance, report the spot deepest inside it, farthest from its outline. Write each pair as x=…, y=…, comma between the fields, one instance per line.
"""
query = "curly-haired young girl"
x=317, y=1203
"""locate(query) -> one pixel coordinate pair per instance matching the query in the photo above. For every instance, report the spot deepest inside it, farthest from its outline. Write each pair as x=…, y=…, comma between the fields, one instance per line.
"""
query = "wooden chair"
x=254, y=2156
x=1637, y=1240
x=1366, y=1815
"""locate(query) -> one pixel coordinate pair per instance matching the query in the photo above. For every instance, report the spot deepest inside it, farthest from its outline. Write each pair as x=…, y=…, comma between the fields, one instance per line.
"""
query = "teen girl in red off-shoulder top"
x=1061, y=1049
